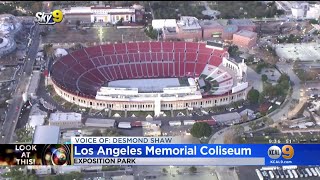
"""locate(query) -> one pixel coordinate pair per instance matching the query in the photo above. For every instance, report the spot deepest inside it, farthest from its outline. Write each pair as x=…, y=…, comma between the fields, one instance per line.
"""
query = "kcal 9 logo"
x=287, y=152
x=57, y=16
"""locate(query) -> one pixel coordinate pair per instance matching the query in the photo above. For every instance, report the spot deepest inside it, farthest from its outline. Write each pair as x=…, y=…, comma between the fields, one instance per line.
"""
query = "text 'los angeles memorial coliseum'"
x=149, y=76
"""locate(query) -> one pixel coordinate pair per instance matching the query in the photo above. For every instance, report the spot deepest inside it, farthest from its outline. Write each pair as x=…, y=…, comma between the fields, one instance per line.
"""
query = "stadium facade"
x=149, y=76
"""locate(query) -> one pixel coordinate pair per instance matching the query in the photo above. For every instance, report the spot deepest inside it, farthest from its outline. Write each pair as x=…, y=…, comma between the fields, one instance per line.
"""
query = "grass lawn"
x=175, y=112
x=242, y=9
x=172, y=9
x=140, y=113
x=121, y=113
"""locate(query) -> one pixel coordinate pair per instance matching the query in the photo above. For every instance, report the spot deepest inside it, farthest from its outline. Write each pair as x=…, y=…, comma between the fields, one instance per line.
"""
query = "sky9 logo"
x=287, y=152
x=55, y=16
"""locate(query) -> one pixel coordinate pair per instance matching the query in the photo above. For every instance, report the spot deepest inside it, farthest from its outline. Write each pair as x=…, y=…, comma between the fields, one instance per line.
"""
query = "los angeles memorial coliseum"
x=149, y=76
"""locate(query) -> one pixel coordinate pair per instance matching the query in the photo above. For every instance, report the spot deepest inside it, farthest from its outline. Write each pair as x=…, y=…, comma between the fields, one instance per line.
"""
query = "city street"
x=22, y=83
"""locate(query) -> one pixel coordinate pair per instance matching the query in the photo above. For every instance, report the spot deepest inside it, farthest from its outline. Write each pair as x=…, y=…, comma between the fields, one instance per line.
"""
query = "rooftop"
x=227, y=117
x=188, y=23
x=65, y=117
x=210, y=24
x=46, y=135
x=246, y=33
x=100, y=121
x=230, y=28
x=241, y=22
x=161, y=23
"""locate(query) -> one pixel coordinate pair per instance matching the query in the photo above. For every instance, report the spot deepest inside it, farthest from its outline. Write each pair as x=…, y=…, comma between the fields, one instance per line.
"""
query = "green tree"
x=192, y=169
x=150, y=32
x=48, y=50
x=313, y=21
x=164, y=170
x=78, y=23
x=201, y=129
x=253, y=96
x=36, y=7
x=77, y=46
x=264, y=77
x=120, y=22
x=16, y=173
x=233, y=50
x=96, y=132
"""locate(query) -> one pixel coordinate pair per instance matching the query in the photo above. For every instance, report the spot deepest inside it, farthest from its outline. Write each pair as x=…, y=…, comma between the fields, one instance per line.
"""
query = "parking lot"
x=91, y=35
x=302, y=52
x=249, y=172
x=287, y=138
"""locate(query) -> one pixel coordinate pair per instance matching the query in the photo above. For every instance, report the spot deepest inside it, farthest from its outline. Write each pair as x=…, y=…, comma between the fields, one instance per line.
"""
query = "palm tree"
x=48, y=50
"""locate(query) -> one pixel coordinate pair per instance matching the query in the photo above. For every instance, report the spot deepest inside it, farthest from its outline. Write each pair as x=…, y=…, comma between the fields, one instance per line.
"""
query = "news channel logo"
x=52, y=18
x=286, y=152
x=56, y=154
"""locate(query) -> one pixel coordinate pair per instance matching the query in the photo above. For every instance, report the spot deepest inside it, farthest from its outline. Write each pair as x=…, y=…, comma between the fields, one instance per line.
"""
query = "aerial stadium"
x=149, y=76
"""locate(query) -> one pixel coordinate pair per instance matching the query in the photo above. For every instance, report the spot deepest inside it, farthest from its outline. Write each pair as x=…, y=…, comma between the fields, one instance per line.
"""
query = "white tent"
x=116, y=115
x=60, y=52
x=149, y=118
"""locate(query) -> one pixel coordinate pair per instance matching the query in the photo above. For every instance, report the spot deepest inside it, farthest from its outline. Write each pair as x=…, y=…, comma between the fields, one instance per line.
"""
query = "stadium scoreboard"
x=159, y=151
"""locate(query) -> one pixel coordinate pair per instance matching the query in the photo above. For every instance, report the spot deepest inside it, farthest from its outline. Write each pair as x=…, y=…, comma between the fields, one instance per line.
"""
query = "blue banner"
x=278, y=154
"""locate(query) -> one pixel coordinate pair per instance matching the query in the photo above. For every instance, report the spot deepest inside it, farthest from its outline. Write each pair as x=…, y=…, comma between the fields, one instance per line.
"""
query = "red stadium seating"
x=87, y=69
x=155, y=69
x=199, y=68
x=192, y=47
x=165, y=67
x=120, y=48
x=68, y=60
x=132, y=47
x=123, y=71
x=167, y=46
x=118, y=72
x=113, y=59
x=155, y=46
x=80, y=55
x=144, y=70
x=191, y=57
x=160, y=69
x=138, y=66
x=149, y=69
x=144, y=47
x=102, y=61
x=182, y=69
x=153, y=57
x=190, y=68
x=171, y=70
x=98, y=75
x=107, y=49
x=87, y=64
x=179, y=46
x=94, y=51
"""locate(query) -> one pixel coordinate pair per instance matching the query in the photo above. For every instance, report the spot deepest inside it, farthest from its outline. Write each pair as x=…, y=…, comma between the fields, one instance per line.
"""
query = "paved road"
x=217, y=138
x=11, y=119
x=21, y=87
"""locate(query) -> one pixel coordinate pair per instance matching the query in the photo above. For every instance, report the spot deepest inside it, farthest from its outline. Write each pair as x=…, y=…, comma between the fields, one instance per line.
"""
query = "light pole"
x=100, y=34
x=171, y=167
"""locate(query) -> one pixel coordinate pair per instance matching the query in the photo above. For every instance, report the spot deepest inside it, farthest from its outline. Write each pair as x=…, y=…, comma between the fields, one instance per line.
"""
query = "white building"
x=160, y=24
x=314, y=11
x=103, y=123
x=36, y=117
x=101, y=14
x=46, y=135
x=305, y=10
x=65, y=120
x=124, y=177
x=67, y=169
x=40, y=170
